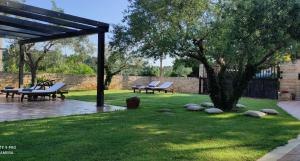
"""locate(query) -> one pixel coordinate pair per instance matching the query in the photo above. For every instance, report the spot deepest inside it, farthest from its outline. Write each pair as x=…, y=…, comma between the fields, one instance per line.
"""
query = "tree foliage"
x=188, y=63
x=182, y=71
x=233, y=39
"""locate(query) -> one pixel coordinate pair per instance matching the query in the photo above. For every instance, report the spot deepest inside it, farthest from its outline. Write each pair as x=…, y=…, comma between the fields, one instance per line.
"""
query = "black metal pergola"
x=29, y=24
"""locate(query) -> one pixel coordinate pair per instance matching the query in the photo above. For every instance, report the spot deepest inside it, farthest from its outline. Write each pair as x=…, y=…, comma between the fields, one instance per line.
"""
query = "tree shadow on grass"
x=202, y=137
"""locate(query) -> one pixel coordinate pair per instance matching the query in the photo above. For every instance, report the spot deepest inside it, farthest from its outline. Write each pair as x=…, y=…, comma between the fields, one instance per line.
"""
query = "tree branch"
x=268, y=55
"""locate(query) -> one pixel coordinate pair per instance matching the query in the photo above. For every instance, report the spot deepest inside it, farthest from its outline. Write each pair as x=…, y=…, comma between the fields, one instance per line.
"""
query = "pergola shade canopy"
x=30, y=24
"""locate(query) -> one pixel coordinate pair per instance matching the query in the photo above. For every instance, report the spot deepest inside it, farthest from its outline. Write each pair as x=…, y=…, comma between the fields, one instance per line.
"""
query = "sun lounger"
x=51, y=91
x=12, y=91
x=166, y=87
x=141, y=87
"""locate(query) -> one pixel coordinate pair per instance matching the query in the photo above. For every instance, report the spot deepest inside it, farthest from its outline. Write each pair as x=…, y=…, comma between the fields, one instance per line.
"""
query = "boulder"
x=253, y=113
x=190, y=104
x=213, y=111
x=207, y=104
x=195, y=108
x=240, y=106
x=270, y=111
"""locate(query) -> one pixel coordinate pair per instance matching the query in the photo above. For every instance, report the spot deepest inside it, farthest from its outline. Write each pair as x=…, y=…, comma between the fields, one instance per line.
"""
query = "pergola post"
x=100, y=70
x=21, y=65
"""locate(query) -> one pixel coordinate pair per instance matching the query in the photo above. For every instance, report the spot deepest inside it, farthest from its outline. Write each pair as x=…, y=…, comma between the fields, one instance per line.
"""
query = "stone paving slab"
x=281, y=153
x=293, y=155
x=14, y=109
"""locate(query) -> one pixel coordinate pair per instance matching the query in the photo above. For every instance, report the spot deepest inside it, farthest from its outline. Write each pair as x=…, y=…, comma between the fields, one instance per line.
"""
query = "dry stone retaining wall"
x=89, y=82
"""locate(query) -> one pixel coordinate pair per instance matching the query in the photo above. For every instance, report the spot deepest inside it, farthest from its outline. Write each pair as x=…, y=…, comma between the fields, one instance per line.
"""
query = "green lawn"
x=145, y=134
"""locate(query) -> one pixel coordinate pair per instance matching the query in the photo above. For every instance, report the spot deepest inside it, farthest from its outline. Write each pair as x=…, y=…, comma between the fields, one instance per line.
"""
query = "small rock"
x=240, y=106
x=164, y=110
x=270, y=111
x=213, y=111
x=195, y=108
x=207, y=104
x=253, y=113
x=190, y=104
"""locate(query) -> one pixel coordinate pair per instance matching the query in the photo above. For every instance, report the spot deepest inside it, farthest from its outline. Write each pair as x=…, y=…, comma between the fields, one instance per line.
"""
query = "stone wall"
x=73, y=82
x=8, y=79
x=290, y=78
x=88, y=82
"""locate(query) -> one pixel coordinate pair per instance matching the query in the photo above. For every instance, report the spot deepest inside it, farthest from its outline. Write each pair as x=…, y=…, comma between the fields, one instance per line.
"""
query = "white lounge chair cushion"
x=207, y=104
x=164, y=85
x=153, y=83
x=253, y=113
x=194, y=108
x=270, y=111
x=213, y=111
x=31, y=88
x=54, y=88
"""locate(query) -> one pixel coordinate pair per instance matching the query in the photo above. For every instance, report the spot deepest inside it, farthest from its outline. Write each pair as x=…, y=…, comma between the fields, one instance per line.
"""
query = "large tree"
x=33, y=57
x=116, y=62
x=233, y=39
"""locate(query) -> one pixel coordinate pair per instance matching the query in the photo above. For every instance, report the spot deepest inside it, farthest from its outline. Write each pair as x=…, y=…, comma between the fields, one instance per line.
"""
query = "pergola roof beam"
x=60, y=36
x=9, y=37
x=30, y=25
x=18, y=30
x=14, y=34
x=50, y=13
x=42, y=18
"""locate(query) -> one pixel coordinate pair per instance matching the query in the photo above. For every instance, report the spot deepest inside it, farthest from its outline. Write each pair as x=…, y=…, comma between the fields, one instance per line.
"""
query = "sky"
x=108, y=11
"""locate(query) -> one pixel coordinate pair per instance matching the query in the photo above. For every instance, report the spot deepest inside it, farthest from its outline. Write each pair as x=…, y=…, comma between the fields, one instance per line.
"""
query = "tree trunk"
x=201, y=80
x=33, y=71
x=108, y=80
x=161, y=69
x=225, y=87
x=225, y=91
x=220, y=97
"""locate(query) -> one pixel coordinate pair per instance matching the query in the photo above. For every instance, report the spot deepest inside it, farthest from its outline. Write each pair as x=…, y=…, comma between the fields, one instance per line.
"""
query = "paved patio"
x=291, y=107
x=13, y=109
x=293, y=155
x=290, y=151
